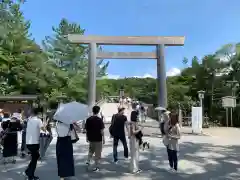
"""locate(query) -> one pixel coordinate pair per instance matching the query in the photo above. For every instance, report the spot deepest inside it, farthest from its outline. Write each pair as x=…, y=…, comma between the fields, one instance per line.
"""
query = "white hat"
x=167, y=112
x=160, y=108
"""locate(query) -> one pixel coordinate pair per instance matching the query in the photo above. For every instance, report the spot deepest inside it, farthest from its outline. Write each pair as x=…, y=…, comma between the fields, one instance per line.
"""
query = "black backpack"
x=111, y=126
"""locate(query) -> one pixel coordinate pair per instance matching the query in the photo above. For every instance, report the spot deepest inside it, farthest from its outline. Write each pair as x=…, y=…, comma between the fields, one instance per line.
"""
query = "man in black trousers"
x=119, y=124
x=34, y=125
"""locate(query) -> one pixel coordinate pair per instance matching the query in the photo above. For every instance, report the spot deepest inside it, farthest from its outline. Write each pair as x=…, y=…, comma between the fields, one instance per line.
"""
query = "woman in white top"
x=173, y=145
x=64, y=151
x=134, y=143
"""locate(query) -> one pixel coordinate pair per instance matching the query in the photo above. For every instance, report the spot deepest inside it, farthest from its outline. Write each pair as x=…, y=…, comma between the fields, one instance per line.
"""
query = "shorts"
x=96, y=148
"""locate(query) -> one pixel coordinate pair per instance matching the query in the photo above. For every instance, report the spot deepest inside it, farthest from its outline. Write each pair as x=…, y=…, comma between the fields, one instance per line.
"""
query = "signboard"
x=197, y=119
x=229, y=102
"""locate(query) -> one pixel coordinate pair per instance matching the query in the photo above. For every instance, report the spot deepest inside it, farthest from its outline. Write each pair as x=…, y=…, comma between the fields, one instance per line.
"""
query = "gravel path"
x=201, y=157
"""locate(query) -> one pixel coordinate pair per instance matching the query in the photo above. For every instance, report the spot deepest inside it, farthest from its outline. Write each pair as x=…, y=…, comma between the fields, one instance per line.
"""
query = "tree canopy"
x=53, y=69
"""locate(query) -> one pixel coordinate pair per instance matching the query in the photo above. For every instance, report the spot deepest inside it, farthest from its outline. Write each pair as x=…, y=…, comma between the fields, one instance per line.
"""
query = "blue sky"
x=206, y=24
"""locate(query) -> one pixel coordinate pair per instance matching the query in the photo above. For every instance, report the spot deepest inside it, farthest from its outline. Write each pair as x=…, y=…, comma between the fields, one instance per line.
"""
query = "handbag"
x=73, y=134
x=3, y=135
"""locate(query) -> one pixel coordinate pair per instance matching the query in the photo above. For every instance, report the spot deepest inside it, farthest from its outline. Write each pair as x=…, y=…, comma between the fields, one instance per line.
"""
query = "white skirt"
x=134, y=153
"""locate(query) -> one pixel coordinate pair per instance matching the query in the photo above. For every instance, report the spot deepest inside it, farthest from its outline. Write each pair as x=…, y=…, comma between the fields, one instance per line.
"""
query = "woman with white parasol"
x=66, y=116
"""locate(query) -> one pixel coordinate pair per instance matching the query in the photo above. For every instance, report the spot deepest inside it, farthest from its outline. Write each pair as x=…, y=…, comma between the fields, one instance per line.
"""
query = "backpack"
x=134, y=116
x=111, y=126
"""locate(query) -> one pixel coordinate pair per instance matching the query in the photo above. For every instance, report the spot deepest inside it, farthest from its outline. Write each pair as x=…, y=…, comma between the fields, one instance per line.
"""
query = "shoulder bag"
x=112, y=124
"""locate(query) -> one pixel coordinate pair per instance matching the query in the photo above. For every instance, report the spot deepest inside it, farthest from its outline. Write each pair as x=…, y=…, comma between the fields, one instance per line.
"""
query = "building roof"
x=19, y=97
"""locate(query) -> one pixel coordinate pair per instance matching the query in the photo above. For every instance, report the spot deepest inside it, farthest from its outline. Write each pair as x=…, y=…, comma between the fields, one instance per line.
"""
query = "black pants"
x=115, y=145
x=23, y=146
x=34, y=150
x=172, y=158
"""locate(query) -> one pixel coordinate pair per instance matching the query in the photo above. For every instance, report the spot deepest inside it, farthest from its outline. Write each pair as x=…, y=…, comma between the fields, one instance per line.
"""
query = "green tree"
x=19, y=55
x=70, y=59
x=185, y=61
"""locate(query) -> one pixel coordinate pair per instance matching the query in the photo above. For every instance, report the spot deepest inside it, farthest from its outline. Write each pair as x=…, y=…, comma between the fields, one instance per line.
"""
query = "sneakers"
x=172, y=170
x=138, y=171
x=127, y=158
x=29, y=178
x=115, y=161
x=96, y=169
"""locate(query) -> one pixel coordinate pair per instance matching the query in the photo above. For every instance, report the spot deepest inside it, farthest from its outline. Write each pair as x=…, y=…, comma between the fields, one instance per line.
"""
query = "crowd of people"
x=120, y=129
x=128, y=103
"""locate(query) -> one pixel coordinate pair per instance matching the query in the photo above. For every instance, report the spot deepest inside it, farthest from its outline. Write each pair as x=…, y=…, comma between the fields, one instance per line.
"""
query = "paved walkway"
x=108, y=109
x=224, y=132
x=201, y=158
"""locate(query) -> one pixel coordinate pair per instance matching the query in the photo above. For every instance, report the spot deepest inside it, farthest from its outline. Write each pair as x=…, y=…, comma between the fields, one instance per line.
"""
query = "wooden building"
x=12, y=103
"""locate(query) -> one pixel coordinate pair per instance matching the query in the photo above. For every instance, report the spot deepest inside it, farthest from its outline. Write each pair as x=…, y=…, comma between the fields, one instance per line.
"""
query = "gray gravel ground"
x=205, y=157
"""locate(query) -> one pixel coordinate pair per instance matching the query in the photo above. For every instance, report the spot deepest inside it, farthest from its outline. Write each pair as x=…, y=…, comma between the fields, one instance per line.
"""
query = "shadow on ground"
x=198, y=161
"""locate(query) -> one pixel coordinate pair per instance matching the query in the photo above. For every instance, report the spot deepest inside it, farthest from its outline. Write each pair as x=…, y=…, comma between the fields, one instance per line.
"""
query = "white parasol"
x=71, y=112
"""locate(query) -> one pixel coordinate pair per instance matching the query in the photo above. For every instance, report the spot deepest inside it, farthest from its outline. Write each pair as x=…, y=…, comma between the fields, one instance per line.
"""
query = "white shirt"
x=62, y=130
x=34, y=125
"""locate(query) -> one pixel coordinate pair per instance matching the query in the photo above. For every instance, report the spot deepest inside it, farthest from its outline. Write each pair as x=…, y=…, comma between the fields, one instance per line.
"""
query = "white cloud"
x=173, y=72
x=112, y=76
x=153, y=74
x=147, y=75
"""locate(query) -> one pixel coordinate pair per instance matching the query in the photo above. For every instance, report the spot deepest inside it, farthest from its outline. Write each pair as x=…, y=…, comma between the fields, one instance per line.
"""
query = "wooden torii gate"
x=159, y=41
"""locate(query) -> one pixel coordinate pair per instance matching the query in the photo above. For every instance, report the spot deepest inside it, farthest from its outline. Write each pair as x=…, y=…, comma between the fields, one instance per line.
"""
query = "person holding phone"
x=174, y=134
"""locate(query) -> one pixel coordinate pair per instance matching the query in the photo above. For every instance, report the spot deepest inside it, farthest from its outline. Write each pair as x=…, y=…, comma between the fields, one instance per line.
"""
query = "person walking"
x=95, y=136
x=34, y=125
x=134, y=141
x=119, y=124
x=142, y=113
x=64, y=150
x=173, y=144
x=11, y=127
